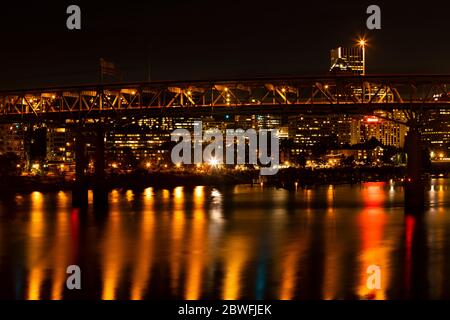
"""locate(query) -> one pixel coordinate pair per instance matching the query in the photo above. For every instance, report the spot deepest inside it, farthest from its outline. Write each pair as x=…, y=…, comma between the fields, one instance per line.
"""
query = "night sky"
x=201, y=39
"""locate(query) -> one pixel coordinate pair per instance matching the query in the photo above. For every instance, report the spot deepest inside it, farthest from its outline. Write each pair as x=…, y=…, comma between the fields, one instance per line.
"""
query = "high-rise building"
x=387, y=132
x=347, y=60
x=436, y=132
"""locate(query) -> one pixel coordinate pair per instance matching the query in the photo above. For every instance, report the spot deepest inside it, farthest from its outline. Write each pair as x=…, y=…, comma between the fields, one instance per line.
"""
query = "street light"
x=362, y=43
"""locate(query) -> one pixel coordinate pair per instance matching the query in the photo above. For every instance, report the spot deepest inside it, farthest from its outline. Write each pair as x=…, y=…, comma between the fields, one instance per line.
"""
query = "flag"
x=107, y=68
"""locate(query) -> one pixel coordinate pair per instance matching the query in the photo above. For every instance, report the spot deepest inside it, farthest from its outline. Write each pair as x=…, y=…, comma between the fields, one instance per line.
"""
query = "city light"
x=371, y=119
x=213, y=162
x=362, y=42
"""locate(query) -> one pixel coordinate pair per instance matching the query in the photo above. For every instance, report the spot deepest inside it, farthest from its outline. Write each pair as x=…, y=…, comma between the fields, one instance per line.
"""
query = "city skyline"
x=224, y=151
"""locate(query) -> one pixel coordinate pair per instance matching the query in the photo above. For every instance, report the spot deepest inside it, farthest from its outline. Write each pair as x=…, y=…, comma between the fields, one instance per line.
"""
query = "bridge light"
x=226, y=89
x=326, y=86
x=283, y=90
x=133, y=92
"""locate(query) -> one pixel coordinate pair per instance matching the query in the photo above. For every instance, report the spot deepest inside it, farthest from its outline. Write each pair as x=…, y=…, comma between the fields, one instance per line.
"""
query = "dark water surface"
x=241, y=242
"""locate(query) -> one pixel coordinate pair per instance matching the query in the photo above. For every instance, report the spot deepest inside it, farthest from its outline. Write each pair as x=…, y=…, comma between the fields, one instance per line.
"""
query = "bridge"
x=412, y=94
x=327, y=94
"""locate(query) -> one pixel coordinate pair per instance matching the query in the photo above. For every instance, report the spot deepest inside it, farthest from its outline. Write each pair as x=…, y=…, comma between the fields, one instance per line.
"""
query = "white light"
x=213, y=162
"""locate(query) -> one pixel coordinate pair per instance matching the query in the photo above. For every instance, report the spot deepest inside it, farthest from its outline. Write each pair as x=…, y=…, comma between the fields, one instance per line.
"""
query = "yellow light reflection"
x=114, y=247
x=176, y=248
x=237, y=251
x=197, y=253
x=62, y=246
x=372, y=221
x=36, y=247
x=144, y=259
x=289, y=269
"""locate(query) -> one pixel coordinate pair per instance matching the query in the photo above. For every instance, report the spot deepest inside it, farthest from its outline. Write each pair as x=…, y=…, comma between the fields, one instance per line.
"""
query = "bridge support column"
x=100, y=189
x=414, y=185
x=80, y=188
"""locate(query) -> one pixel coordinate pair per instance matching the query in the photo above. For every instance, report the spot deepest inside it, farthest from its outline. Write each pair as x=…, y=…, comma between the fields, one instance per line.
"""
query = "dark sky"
x=200, y=39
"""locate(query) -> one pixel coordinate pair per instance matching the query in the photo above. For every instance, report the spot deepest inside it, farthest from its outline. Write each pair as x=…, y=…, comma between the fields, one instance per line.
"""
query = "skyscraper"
x=347, y=60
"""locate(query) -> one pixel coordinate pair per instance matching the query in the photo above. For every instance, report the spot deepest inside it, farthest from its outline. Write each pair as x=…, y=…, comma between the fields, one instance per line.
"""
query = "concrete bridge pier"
x=100, y=188
x=414, y=184
x=80, y=187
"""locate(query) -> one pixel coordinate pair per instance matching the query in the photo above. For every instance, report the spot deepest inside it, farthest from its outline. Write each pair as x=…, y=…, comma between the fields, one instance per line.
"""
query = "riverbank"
x=289, y=178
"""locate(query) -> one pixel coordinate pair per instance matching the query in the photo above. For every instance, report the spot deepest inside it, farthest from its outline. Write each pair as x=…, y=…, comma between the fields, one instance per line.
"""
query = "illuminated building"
x=386, y=132
x=12, y=139
x=137, y=145
x=310, y=132
x=347, y=60
x=56, y=148
x=436, y=131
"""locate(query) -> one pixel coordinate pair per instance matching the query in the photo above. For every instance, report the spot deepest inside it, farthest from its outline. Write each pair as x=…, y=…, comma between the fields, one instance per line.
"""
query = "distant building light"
x=372, y=119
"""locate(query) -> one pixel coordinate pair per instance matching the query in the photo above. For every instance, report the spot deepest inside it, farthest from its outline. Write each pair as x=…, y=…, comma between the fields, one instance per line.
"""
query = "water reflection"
x=228, y=243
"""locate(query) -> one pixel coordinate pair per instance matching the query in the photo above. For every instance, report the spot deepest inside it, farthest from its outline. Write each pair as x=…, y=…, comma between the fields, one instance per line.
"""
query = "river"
x=238, y=242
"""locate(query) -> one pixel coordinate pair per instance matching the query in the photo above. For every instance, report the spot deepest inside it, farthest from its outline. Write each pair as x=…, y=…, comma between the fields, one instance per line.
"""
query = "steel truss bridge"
x=329, y=94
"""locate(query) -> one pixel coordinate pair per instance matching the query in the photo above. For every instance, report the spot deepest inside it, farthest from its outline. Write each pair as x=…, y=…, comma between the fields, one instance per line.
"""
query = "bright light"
x=178, y=165
x=114, y=165
x=372, y=119
x=213, y=162
x=362, y=42
x=148, y=164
